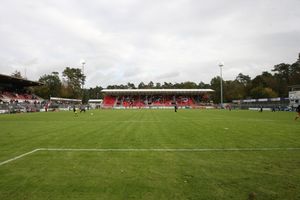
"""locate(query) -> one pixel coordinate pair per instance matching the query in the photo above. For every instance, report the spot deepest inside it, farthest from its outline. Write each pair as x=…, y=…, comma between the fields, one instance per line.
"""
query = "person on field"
x=298, y=112
x=75, y=111
x=228, y=107
x=261, y=109
x=82, y=108
x=175, y=107
x=273, y=109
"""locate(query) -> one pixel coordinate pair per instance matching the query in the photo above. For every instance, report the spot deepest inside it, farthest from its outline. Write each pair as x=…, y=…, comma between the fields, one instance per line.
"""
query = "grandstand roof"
x=156, y=91
x=4, y=79
x=294, y=87
x=64, y=99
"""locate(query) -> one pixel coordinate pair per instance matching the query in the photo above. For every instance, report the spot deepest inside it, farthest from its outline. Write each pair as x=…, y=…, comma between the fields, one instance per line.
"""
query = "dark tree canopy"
x=17, y=74
x=75, y=80
x=52, y=85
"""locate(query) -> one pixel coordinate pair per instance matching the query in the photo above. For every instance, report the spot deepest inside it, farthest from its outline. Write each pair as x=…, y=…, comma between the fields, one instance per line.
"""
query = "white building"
x=294, y=96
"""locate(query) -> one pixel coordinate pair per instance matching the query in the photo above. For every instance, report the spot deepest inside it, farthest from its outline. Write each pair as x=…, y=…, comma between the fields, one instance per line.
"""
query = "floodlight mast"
x=221, y=83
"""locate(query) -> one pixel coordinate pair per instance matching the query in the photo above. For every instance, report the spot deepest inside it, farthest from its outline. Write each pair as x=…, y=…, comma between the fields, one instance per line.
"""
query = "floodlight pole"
x=221, y=83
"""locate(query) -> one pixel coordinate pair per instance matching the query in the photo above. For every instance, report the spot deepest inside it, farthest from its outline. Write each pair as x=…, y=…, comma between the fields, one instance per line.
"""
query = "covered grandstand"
x=16, y=97
x=156, y=98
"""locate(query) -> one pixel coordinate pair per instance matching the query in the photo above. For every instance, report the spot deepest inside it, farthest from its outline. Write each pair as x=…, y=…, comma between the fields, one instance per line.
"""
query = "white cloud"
x=132, y=41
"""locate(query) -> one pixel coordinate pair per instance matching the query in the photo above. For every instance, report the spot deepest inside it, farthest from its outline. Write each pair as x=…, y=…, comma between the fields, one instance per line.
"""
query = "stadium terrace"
x=15, y=95
x=155, y=98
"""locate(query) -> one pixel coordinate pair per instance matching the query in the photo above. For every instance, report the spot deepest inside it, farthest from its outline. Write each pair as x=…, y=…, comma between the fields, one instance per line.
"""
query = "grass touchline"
x=143, y=150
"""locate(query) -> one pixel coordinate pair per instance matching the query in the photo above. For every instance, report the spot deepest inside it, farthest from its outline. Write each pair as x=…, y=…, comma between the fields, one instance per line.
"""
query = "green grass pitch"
x=273, y=174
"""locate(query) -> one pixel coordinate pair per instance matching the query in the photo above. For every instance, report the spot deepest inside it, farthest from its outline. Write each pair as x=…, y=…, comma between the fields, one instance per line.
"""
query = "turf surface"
x=150, y=175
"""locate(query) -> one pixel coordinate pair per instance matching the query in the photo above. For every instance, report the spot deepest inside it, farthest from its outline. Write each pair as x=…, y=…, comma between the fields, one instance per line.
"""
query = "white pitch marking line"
x=20, y=156
x=171, y=150
x=148, y=150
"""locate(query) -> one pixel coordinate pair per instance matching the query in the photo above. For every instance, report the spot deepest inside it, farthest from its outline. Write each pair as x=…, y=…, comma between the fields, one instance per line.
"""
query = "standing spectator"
x=46, y=107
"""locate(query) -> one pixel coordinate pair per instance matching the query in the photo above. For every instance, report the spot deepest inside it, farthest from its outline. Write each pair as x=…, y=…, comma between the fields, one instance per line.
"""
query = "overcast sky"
x=142, y=40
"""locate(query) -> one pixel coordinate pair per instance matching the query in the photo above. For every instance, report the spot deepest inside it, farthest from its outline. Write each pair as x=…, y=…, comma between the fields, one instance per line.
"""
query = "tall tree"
x=17, y=74
x=52, y=86
x=283, y=77
x=233, y=90
x=167, y=85
x=131, y=85
x=243, y=79
x=243, y=84
x=203, y=85
x=283, y=71
x=150, y=85
x=295, y=73
x=158, y=86
x=142, y=85
x=215, y=85
x=75, y=79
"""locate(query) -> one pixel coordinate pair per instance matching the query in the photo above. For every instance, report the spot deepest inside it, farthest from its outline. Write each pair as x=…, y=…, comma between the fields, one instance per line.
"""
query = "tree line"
x=266, y=85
